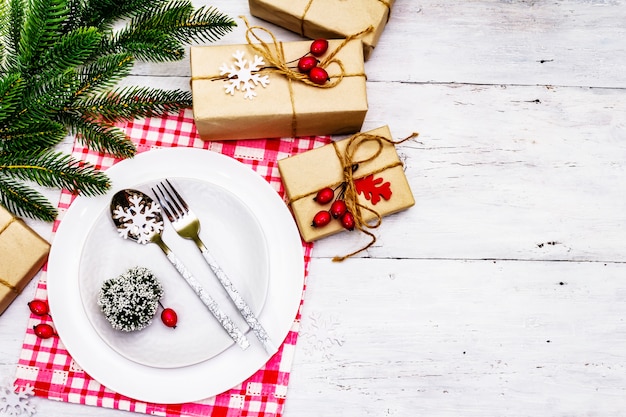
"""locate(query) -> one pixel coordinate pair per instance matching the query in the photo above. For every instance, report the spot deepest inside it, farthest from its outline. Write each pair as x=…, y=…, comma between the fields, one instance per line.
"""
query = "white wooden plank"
x=502, y=171
x=471, y=338
x=504, y=42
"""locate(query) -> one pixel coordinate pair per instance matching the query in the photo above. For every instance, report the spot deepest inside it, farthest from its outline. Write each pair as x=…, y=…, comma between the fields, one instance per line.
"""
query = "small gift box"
x=22, y=253
x=363, y=170
x=254, y=90
x=328, y=18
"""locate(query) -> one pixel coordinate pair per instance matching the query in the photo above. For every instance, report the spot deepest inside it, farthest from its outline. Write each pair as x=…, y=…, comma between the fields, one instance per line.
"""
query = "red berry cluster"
x=40, y=308
x=308, y=63
x=338, y=209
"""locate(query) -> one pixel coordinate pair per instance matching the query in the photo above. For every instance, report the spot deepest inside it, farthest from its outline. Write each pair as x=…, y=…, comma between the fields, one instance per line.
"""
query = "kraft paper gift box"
x=22, y=254
x=327, y=18
x=283, y=108
x=386, y=189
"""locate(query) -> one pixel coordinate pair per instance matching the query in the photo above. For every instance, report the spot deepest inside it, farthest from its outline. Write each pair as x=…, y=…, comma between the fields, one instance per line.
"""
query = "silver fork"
x=187, y=225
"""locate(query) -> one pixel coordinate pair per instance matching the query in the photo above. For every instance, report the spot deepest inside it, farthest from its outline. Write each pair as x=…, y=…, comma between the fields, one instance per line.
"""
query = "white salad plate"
x=249, y=230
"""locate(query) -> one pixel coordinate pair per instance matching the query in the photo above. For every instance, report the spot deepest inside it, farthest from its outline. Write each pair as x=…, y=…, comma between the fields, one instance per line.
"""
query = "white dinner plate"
x=232, y=234
x=263, y=253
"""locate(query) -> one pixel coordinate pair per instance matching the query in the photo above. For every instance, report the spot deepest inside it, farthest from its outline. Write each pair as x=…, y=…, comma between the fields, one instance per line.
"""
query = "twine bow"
x=274, y=55
x=349, y=165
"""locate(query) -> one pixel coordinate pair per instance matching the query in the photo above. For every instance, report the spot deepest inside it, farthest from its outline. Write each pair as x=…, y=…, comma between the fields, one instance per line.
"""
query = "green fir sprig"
x=60, y=65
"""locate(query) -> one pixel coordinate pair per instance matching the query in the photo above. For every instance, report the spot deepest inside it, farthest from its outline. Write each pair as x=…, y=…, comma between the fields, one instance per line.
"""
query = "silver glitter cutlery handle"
x=228, y=325
x=240, y=303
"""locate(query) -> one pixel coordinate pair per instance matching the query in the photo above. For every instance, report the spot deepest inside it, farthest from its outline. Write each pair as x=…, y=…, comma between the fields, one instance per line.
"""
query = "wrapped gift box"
x=327, y=18
x=283, y=108
x=385, y=187
x=22, y=254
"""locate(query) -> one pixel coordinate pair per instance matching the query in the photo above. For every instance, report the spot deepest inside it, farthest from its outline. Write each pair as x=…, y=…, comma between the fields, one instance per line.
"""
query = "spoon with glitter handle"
x=138, y=218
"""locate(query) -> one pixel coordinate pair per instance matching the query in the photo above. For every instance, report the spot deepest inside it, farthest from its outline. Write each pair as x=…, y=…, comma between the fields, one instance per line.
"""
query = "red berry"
x=44, y=330
x=39, y=307
x=325, y=195
x=306, y=63
x=321, y=219
x=338, y=208
x=347, y=221
x=319, y=47
x=318, y=75
x=169, y=317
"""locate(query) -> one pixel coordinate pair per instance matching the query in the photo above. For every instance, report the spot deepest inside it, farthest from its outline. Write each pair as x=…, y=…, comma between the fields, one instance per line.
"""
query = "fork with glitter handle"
x=187, y=225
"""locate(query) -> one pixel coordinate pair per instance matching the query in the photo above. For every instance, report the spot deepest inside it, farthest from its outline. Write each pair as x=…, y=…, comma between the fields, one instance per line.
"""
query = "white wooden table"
x=501, y=292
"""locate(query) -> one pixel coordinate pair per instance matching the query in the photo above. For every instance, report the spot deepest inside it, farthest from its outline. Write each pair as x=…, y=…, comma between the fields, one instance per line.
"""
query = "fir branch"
x=54, y=169
x=129, y=103
x=147, y=45
x=12, y=34
x=43, y=98
x=11, y=89
x=42, y=27
x=60, y=61
x=72, y=50
x=103, y=73
x=23, y=200
x=40, y=135
x=178, y=19
x=103, y=13
x=206, y=24
x=99, y=136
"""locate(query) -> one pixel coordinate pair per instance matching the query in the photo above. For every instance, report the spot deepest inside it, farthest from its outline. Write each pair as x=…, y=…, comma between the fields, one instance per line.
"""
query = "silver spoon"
x=138, y=218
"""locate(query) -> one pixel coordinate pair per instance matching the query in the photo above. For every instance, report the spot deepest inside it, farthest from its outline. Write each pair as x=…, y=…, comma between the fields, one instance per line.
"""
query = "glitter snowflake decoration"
x=244, y=75
x=140, y=220
x=14, y=401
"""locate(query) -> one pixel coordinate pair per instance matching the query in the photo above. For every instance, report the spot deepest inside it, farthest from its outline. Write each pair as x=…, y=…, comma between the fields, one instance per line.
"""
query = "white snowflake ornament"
x=14, y=401
x=139, y=220
x=244, y=75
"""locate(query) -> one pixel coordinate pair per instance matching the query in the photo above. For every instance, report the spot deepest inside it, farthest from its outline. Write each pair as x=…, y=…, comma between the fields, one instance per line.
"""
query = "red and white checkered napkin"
x=48, y=367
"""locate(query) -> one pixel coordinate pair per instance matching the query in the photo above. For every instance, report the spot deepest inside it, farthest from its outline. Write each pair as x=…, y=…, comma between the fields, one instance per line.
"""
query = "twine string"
x=349, y=165
x=274, y=56
x=3, y=281
x=310, y=3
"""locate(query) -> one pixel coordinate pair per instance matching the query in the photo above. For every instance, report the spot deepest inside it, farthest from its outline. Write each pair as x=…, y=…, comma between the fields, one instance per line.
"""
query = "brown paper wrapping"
x=317, y=111
x=22, y=253
x=327, y=18
x=306, y=173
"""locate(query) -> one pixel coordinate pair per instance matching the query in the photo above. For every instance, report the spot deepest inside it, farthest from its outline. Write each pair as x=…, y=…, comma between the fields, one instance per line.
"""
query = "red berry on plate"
x=321, y=219
x=39, y=307
x=318, y=75
x=44, y=331
x=319, y=47
x=169, y=317
x=338, y=208
x=306, y=63
x=325, y=195
x=347, y=221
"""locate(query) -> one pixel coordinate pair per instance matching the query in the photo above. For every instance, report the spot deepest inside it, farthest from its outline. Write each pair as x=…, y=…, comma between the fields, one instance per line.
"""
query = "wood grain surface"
x=501, y=292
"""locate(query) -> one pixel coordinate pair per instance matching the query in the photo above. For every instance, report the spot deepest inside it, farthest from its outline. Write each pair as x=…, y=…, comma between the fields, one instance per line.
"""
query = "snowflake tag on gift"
x=244, y=75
